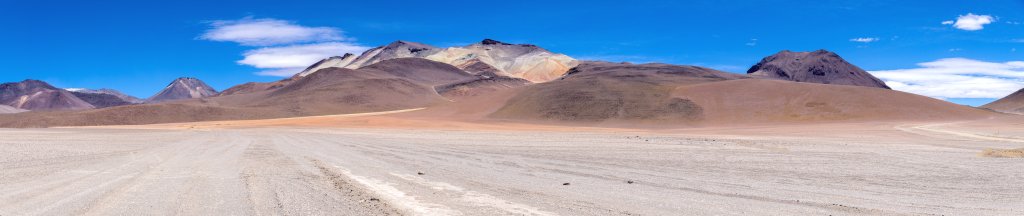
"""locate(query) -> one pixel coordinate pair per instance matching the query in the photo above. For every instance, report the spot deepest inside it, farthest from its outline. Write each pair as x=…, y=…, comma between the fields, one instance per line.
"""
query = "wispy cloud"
x=957, y=78
x=265, y=32
x=970, y=22
x=753, y=42
x=285, y=47
x=864, y=39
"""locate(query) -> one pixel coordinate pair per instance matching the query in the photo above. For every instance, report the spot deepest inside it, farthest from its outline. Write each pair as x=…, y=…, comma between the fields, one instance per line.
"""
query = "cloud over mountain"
x=285, y=47
x=957, y=78
x=288, y=60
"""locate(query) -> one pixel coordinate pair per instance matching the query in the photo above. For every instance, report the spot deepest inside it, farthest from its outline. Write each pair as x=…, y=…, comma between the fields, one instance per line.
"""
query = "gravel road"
x=318, y=171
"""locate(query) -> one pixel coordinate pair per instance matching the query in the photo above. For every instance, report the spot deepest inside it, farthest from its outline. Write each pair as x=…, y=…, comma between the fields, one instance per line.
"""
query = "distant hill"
x=1013, y=103
x=388, y=85
x=820, y=66
x=102, y=98
x=601, y=92
x=183, y=88
x=39, y=95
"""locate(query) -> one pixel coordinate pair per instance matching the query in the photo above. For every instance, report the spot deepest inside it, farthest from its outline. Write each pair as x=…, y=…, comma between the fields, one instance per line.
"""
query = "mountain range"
x=103, y=98
x=38, y=95
x=524, y=61
x=35, y=95
x=493, y=80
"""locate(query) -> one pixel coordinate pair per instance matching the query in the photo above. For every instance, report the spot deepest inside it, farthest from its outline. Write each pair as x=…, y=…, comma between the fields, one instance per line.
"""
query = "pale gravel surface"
x=317, y=171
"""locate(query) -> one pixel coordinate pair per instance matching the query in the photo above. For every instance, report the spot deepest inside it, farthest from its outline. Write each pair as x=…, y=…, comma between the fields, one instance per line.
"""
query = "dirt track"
x=310, y=171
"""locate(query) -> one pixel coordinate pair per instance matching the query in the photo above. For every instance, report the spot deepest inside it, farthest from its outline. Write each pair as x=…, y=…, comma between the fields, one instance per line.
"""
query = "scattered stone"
x=419, y=173
x=374, y=199
x=567, y=183
x=630, y=182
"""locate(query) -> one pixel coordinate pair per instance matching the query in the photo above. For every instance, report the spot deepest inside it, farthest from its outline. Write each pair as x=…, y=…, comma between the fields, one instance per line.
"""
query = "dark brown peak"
x=412, y=46
x=816, y=52
x=408, y=43
x=489, y=41
x=819, y=66
x=495, y=42
x=347, y=55
x=398, y=42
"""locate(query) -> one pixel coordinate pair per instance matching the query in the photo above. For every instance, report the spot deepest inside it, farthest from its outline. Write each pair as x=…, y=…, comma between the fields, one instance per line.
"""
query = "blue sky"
x=944, y=49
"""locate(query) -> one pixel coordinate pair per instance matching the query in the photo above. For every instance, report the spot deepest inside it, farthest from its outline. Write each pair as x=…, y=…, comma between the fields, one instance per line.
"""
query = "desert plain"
x=383, y=164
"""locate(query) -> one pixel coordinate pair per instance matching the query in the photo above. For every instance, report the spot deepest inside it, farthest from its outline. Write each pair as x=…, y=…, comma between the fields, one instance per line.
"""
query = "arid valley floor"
x=372, y=167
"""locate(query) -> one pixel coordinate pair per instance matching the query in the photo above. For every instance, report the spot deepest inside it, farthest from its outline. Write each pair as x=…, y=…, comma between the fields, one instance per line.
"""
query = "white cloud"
x=288, y=60
x=286, y=48
x=753, y=42
x=864, y=40
x=970, y=22
x=957, y=78
x=264, y=32
x=955, y=50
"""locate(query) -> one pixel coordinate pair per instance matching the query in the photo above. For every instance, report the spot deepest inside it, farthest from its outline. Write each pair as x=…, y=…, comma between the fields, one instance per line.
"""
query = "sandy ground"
x=273, y=168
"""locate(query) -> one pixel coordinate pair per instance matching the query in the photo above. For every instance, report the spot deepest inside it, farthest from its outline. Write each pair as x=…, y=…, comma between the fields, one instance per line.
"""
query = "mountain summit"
x=183, y=88
x=525, y=61
x=397, y=49
x=820, y=66
x=38, y=95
